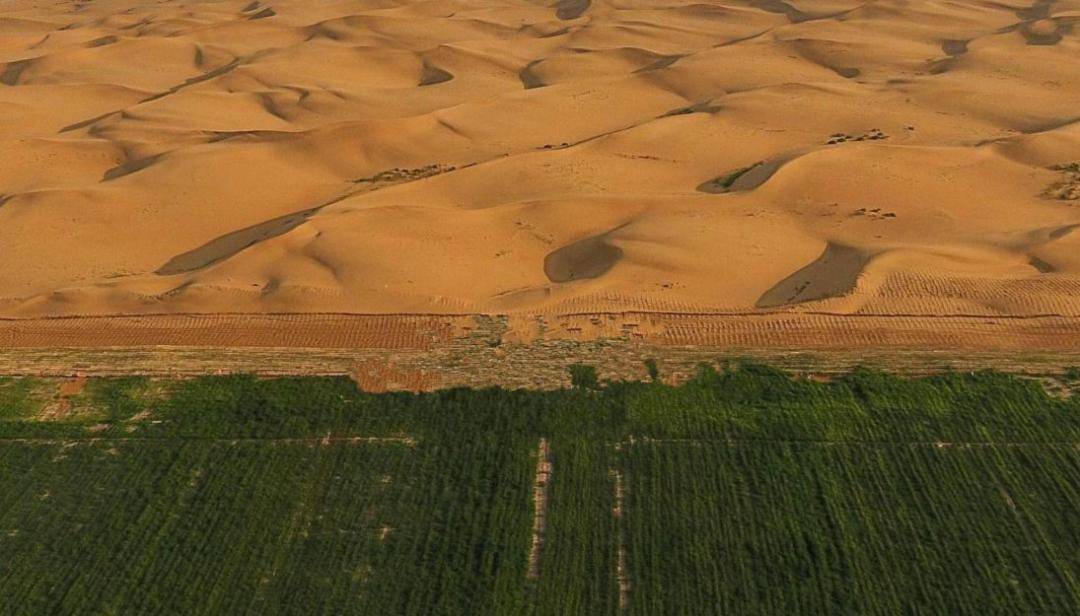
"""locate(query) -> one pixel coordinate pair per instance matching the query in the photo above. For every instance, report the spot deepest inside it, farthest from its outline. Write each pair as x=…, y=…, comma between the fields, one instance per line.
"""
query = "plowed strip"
x=232, y=330
x=422, y=352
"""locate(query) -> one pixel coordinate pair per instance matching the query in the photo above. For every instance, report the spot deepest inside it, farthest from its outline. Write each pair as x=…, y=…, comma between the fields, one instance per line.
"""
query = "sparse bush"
x=584, y=377
x=653, y=369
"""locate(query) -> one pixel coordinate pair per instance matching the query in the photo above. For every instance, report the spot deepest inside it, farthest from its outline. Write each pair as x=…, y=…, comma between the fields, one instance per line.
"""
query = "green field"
x=745, y=491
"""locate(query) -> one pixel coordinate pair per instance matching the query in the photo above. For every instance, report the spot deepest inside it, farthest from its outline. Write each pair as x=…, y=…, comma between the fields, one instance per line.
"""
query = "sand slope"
x=883, y=157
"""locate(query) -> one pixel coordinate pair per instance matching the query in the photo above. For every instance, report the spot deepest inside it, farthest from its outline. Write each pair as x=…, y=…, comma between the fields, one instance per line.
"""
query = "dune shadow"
x=591, y=257
x=779, y=7
x=702, y=107
x=941, y=66
x=571, y=9
x=660, y=62
x=745, y=178
x=101, y=42
x=13, y=71
x=433, y=75
x=229, y=244
x=954, y=47
x=1062, y=231
x=1039, y=10
x=263, y=14
x=794, y=15
x=88, y=121
x=1041, y=266
x=130, y=167
x=1033, y=36
x=833, y=274
x=217, y=72
x=529, y=78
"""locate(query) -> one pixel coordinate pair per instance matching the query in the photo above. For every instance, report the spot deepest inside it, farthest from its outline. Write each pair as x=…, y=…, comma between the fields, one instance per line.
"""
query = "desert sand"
x=915, y=158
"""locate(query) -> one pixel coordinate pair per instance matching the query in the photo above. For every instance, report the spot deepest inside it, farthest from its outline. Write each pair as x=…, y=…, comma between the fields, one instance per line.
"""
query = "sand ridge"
x=864, y=157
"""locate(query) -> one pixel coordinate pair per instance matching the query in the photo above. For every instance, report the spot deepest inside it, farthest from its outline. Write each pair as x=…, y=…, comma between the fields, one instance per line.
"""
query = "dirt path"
x=733, y=442
x=541, y=487
x=621, y=571
x=408, y=441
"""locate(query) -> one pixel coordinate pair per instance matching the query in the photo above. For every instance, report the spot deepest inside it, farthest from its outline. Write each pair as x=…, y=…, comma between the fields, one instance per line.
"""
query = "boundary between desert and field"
x=428, y=351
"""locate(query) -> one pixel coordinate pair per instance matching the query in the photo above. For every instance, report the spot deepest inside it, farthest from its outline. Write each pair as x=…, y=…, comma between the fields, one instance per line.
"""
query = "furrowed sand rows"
x=544, y=469
x=232, y=330
x=786, y=330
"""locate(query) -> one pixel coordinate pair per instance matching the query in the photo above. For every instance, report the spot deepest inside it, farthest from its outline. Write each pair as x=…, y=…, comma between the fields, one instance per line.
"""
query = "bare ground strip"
x=541, y=487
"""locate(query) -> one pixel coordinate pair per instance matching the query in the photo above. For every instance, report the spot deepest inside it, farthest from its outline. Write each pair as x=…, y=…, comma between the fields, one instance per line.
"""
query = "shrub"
x=653, y=369
x=584, y=377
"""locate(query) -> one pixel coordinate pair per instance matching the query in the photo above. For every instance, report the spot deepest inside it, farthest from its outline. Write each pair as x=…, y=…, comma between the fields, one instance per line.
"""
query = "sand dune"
x=871, y=157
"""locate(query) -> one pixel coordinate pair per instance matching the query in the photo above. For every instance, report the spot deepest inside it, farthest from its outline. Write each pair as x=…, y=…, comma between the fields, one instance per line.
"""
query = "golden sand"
x=381, y=156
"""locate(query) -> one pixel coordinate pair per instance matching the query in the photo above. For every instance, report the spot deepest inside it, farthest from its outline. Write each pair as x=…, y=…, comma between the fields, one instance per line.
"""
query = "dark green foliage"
x=758, y=402
x=216, y=527
x=745, y=491
x=17, y=398
x=584, y=377
x=115, y=398
x=652, y=369
x=784, y=528
x=577, y=565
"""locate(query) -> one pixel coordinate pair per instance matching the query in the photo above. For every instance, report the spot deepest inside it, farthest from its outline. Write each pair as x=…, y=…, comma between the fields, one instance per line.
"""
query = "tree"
x=653, y=369
x=584, y=377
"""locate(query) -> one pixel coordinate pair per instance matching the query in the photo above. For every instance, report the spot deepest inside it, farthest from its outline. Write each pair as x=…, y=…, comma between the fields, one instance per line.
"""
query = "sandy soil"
x=432, y=333
x=431, y=352
x=890, y=157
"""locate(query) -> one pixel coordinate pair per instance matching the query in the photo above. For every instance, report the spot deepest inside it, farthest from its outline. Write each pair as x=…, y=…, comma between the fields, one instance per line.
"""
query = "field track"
x=420, y=352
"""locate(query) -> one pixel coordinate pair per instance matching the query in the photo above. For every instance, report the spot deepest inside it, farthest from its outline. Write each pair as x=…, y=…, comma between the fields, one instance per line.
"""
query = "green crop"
x=743, y=491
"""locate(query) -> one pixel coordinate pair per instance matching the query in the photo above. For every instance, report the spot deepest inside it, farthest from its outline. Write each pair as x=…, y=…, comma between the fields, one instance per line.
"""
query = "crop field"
x=743, y=491
x=851, y=529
